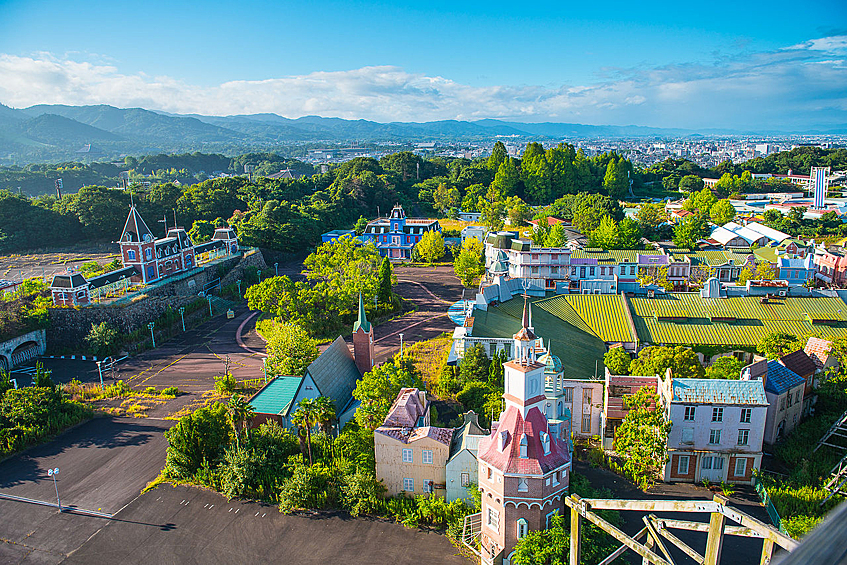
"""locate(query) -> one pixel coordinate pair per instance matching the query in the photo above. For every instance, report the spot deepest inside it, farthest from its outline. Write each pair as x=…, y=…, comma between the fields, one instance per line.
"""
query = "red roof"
x=408, y=435
x=818, y=349
x=551, y=221
x=509, y=460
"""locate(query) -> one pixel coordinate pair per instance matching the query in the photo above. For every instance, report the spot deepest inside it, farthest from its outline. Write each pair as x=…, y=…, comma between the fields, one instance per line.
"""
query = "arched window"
x=148, y=254
x=523, y=447
x=523, y=484
x=523, y=528
x=130, y=254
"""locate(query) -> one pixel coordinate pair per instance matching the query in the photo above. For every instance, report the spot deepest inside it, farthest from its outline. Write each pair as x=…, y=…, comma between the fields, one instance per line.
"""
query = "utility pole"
x=164, y=220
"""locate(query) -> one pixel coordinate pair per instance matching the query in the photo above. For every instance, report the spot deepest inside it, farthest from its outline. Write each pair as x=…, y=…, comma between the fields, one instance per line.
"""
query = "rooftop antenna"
x=131, y=201
x=164, y=220
x=175, y=217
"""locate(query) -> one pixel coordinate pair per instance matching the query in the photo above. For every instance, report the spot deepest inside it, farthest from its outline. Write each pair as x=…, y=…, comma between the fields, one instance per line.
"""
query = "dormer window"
x=524, y=444
x=545, y=442
x=504, y=440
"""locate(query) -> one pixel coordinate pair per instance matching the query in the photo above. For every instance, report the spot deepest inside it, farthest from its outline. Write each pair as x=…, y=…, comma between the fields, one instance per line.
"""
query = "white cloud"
x=792, y=87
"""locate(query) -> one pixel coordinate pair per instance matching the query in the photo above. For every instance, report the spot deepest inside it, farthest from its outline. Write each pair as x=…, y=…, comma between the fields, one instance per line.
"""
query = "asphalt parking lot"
x=103, y=465
x=190, y=525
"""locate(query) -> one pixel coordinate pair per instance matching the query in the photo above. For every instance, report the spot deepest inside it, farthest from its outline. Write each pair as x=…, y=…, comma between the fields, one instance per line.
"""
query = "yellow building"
x=411, y=456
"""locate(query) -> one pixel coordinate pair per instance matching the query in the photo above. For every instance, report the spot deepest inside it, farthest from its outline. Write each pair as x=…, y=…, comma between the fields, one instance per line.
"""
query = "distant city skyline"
x=738, y=66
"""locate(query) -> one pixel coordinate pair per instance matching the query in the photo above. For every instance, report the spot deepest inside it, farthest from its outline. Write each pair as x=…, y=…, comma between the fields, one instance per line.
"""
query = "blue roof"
x=276, y=397
x=781, y=378
x=719, y=391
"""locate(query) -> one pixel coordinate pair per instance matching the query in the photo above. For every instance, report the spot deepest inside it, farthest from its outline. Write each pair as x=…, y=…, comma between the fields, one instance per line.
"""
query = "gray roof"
x=135, y=229
x=471, y=427
x=719, y=391
x=112, y=277
x=335, y=374
x=75, y=280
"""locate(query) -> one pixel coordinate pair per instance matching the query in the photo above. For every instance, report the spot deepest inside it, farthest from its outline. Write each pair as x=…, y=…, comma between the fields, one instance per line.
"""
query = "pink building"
x=832, y=266
x=524, y=463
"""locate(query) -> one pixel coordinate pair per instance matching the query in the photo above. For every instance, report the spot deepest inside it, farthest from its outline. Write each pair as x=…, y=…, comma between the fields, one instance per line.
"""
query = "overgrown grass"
x=31, y=414
x=429, y=357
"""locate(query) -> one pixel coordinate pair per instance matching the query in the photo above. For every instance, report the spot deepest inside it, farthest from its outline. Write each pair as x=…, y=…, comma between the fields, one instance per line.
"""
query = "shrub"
x=151, y=390
x=103, y=339
x=195, y=440
x=361, y=493
x=170, y=391
x=225, y=384
x=29, y=414
x=308, y=487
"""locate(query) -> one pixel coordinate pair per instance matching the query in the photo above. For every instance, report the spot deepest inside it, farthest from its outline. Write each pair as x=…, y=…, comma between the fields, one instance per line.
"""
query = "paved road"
x=189, y=525
x=103, y=465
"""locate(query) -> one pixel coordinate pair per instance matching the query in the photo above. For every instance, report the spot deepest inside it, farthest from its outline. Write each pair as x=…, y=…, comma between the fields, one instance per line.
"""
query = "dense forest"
x=290, y=215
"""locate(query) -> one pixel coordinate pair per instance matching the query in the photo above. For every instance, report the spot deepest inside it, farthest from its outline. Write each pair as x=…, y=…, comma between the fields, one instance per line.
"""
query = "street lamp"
x=182, y=315
x=238, y=282
x=100, y=371
x=152, y=335
x=209, y=298
x=276, y=268
x=53, y=473
x=401, y=346
x=265, y=368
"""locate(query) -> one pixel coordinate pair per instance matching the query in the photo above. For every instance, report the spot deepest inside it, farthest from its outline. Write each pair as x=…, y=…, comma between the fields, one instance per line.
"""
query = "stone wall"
x=69, y=326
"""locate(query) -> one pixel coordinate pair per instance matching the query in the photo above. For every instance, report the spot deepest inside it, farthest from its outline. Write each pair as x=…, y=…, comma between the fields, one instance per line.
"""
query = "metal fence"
x=768, y=504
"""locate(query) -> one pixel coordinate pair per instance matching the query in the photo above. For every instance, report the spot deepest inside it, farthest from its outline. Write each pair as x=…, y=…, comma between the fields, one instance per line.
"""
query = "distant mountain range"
x=50, y=133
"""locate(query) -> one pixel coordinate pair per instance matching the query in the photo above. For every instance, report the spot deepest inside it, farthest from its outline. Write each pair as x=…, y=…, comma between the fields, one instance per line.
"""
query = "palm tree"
x=305, y=418
x=239, y=411
x=325, y=414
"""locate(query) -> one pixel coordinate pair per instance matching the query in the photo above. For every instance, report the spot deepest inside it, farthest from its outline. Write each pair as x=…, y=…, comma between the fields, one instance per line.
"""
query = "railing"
x=470, y=532
x=768, y=504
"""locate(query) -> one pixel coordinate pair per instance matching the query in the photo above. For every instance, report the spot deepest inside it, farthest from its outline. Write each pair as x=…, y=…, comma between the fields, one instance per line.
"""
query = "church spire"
x=527, y=314
x=362, y=321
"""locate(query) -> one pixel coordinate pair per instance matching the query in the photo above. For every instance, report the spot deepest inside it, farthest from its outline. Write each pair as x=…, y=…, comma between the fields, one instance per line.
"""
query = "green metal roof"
x=276, y=397
x=362, y=321
x=580, y=351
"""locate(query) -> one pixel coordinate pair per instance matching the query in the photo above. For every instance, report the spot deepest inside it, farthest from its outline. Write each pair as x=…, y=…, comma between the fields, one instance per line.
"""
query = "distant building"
x=462, y=466
x=411, y=454
x=619, y=387
x=717, y=429
x=146, y=259
x=784, y=391
x=803, y=366
x=335, y=235
x=396, y=235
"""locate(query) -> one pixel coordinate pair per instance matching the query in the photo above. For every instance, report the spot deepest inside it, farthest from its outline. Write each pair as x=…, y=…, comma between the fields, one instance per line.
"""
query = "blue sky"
x=722, y=64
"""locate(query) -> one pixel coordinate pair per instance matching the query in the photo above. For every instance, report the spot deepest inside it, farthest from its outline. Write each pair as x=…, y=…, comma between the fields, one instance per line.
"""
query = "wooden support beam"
x=652, y=505
x=767, y=552
x=655, y=535
x=703, y=527
x=714, y=543
x=661, y=527
x=768, y=532
x=580, y=506
x=576, y=534
x=622, y=549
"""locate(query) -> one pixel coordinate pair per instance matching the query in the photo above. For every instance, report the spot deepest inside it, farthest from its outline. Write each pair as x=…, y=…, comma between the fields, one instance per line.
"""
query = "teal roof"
x=362, y=321
x=276, y=397
x=719, y=391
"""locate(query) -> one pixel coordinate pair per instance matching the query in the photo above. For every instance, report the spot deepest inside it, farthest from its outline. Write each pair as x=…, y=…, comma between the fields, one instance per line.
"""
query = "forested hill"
x=290, y=215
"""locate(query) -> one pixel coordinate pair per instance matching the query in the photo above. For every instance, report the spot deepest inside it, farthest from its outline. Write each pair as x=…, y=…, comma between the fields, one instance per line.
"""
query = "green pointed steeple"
x=362, y=322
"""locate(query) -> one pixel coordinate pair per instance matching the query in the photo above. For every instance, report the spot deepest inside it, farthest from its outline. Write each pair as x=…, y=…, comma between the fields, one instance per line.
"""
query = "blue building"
x=336, y=234
x=396, y=235
x=796, y=270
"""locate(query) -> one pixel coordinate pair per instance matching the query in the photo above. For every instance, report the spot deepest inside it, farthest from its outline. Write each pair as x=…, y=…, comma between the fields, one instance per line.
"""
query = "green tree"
x=507, y=178
x=655, y=275
x=536, y=174
x=469, y=264
x=651, y=216
x=617, y=360
x=724, y=368
x=778, y=344
x=498, y=156
x=306, y=418
x=590, y=209
x=642, y=438
x=653, y=360
x=361, y=225
x=240, y=411
x=42, y=378
x=431, y=247
x=378, y=388
x=700, y=203
x=691, y=183
x=290, y=349
x=103, y=338
x=615, y=181
x=474, y=365
x=386, y=280
x=606, y=236
x=492, y=207
x=478, y=396
x=557, y=237
x=687, y=232
x=518, y=211
x=722, y=212
x=629, y=234
x=196, y=440
x=496, y=372
x=325, y=414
